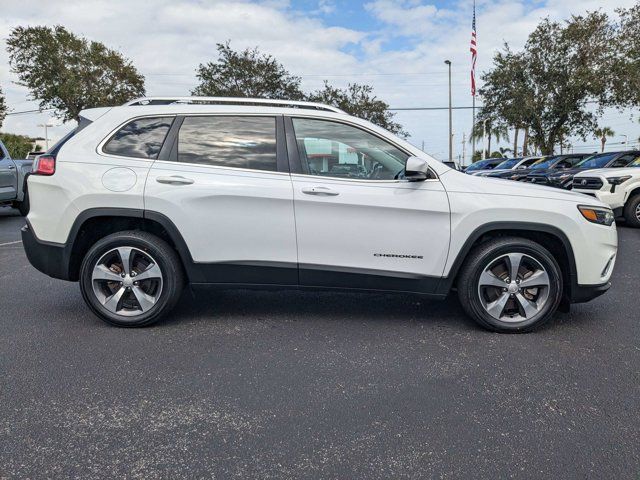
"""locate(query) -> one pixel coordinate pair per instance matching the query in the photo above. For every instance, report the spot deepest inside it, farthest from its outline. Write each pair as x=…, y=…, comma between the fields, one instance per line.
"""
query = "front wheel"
x=131, y=279
x=510, y=285
x=632, y=211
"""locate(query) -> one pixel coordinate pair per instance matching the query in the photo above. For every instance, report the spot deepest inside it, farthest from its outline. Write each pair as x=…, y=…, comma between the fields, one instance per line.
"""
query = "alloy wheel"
x=514, y=287
x=127, y=281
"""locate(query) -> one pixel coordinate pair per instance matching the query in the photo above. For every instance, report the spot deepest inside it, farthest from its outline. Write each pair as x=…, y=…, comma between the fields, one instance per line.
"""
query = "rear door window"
x=140, y=138
x=229, y=141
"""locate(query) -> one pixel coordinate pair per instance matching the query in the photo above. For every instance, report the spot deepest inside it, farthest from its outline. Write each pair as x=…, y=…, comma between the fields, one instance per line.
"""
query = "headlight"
x=599, y=215
x=618, y=180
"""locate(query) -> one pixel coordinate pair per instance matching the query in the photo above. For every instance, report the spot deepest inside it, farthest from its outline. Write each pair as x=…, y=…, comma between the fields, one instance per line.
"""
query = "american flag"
x=474, y=52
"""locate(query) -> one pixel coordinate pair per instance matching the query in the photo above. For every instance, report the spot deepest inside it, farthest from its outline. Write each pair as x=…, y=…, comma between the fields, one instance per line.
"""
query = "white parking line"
x=10, y=243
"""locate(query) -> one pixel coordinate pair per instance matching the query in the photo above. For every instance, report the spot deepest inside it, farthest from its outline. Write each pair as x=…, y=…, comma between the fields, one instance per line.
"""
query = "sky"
x=398, y=47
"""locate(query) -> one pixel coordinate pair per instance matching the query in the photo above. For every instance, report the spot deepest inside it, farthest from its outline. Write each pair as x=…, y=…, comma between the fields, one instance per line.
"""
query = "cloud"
x=397, y=46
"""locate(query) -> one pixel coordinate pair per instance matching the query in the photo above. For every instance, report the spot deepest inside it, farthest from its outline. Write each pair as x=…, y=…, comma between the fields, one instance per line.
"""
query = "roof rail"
x=229, y=100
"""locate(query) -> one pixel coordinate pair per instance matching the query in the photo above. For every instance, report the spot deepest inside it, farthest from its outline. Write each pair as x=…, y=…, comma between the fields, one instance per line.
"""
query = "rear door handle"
x=175, y=180
x=320, y=191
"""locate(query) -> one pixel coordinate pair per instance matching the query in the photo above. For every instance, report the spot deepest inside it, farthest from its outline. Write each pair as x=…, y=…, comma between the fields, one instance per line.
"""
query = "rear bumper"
x=50, y=258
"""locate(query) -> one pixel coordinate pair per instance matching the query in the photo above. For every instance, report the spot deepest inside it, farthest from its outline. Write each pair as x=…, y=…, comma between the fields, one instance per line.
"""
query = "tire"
x=128, y=299
x=23, y=206
x=632, y=211
x=482, y=285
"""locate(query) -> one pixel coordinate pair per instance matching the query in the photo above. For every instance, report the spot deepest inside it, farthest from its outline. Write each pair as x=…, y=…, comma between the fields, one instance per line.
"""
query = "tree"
x=602, y=133
x=246, y=74
x=505, y=93
x=625, y=68
x=17, y=145
x=70, y=73
x=250, y=73
x=3, y=107
x=494, y=127
x=359, y=101
x=548, y=86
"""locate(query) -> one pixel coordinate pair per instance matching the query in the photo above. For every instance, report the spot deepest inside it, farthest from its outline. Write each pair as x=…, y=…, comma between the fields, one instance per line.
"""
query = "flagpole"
x=473, y=124
x=474, y=56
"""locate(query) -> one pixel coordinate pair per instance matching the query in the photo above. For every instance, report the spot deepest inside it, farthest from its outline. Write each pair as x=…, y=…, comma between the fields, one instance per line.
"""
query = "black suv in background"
x=561, y=173
x=544, y=164
x=486, y=164
x=513, y=168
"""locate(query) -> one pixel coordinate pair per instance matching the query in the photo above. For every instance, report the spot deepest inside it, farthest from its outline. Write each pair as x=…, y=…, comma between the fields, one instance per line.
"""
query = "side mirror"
x=416, y=169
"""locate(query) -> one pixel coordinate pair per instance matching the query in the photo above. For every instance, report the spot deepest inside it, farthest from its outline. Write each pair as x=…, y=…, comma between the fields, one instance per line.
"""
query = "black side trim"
x=510, y=227
x=292, y=147
x=169, y=150
x=316, y=276
x=282, y=159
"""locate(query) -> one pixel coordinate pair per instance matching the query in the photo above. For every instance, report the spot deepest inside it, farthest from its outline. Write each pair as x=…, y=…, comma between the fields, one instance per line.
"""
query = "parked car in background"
x=509, y=165
x=620, y=189
x=305, y=196
x=13, y=173
x=544, y=164
x=486, y=164
x=33, y=155
x=563, y=178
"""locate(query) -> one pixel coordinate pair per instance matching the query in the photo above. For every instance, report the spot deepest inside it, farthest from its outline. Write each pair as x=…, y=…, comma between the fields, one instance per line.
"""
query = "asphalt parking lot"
x=313, y=385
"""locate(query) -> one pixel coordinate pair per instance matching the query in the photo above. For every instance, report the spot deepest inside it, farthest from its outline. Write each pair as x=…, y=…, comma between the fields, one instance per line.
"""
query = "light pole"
x=46, y=136
x=626, y=139
x=448, y=62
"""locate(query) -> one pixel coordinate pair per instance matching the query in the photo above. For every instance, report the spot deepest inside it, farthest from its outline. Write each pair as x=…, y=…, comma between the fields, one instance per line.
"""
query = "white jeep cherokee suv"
x=142, y=198
x=619, y=188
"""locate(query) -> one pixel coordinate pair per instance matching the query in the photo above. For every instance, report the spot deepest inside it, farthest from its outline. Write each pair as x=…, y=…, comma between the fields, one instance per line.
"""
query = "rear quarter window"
x=140, y=138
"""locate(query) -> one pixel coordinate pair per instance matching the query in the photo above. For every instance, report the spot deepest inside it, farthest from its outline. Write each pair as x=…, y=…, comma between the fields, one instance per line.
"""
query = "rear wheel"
x=131, y=279
x=510, y=285
x=632, y=211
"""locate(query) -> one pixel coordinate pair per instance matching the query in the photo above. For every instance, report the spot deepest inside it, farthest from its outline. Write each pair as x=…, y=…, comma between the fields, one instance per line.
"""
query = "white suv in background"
x=619, y=188
x=142, y=198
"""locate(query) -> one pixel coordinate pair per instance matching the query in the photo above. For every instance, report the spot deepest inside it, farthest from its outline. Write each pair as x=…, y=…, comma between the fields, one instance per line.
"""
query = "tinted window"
x=508, y=164
x=333, y=149
x=529, y=162
x=596, y=161
x=240, y=142
x=487, y=164
x=624, y=160
x=141, y=138
x=545, y=162
x=635, y=163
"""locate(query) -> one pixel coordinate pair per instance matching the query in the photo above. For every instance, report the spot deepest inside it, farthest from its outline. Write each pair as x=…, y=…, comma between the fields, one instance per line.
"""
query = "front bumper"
x=50, y=258
x=586, y=293
x=614, y=199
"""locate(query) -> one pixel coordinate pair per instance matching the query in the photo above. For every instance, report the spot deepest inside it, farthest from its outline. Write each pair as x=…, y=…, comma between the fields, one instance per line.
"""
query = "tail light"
x=44, y=165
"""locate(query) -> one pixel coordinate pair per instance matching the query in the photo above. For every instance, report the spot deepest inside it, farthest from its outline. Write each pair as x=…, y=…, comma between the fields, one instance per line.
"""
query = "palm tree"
x=602, y=133
x=499, y=132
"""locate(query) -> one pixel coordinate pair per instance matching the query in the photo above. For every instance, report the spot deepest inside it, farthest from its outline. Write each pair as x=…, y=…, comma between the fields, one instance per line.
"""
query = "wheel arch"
x=95, y=223
x=634, y=191
x=549, y=236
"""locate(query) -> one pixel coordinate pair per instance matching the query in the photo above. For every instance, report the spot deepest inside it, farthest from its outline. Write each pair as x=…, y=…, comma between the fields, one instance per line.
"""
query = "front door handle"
x=320, y=191
x=175, y=180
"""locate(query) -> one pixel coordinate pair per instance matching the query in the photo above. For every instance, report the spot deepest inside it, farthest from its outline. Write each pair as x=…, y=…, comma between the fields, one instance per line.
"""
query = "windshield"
x=545, y=162
x=487, y=164
x=508, y=164
x=596, y=161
